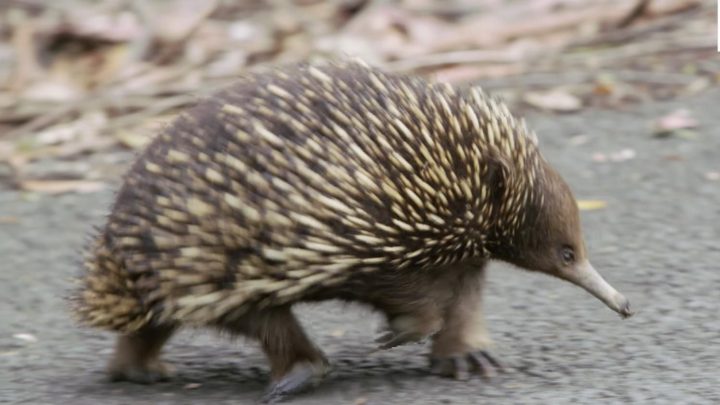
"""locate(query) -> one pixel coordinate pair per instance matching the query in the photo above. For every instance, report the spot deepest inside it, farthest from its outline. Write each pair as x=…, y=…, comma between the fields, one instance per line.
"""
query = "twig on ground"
x=660, y=45
x=456, y=57
x=554, y=79
x=157, y=108
x=625, y=35
x=635, y=13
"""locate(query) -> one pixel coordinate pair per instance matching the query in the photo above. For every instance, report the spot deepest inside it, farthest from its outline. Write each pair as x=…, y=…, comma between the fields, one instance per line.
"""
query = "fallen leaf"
x=9, y=220
x=579, y=139
x=712, y=176
x=26, y=337
x=123, y=26
x=599, y=157
x=697, y=85
x=62, y=186
x=361, y=401
x=192, y=386
x=674, y=123
x=605, y=84
x=674, y=157
x=554, y=100
x=51, y=90
x=591, y=205
x=619, y=156
x=623, y=155
x=176, y=20
x=337, y=333
x=88, y=125
x=8, y=353
x=472, y=72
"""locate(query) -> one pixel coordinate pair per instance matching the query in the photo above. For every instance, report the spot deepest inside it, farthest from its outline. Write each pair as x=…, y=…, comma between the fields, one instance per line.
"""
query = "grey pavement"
x=657, y=241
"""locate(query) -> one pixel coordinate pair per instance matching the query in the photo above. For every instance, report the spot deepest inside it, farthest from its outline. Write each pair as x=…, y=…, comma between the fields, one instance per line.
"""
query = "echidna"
x=329, y=181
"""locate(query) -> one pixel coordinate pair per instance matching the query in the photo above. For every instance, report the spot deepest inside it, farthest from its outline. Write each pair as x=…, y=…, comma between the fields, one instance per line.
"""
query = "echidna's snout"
x=585, y=276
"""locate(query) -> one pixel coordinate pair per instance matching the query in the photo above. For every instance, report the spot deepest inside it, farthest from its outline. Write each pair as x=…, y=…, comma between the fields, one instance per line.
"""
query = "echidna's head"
x=553, y=243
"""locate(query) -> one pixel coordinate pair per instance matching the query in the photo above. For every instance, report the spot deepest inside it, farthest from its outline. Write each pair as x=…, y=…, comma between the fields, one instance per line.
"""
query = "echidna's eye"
x=568, y=255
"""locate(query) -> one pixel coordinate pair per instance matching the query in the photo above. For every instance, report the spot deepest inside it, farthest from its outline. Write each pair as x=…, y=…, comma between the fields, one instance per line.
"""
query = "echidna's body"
x=322, y=181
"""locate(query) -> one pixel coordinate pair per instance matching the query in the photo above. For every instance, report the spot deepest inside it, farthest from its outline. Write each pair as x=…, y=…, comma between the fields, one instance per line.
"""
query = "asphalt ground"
x=657, y=241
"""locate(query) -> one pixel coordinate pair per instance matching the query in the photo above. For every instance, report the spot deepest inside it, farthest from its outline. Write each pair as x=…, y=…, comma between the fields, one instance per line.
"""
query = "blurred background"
x=82, y=83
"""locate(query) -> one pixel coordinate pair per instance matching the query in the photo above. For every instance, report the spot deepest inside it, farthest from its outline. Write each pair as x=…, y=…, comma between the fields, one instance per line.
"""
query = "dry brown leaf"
x=62, y=186
x=554, y=100
x=605, y=84
x=591, y=205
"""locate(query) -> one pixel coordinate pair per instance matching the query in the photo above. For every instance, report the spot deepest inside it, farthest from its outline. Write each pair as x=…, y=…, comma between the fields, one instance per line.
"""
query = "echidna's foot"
x=137, y=356
x=460, y=366
x=151, y=372
x=301, y=377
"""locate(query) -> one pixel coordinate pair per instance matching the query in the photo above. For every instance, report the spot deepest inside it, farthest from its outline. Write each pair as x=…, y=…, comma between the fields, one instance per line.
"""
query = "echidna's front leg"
x=295, y=362
x=462, y=345
x=137, y=356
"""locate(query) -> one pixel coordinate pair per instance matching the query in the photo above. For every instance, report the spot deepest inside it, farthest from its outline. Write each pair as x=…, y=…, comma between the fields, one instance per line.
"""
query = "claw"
x=388, y=340
x=460, y=366
x=495, y=362
x=301, y=377
x=481, y=364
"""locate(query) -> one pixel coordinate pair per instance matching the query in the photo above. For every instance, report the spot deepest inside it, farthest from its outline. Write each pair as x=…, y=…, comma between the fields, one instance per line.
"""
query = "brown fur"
x=137, y=355
x=281, y=337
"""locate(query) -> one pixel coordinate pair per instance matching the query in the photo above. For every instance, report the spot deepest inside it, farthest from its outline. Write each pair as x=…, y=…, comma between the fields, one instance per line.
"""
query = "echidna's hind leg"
x=295, y=362
x=462, y=344
x=137, y=356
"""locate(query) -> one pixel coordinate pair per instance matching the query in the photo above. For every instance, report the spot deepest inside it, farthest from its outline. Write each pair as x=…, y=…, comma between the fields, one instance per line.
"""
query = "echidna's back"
x=294, y=180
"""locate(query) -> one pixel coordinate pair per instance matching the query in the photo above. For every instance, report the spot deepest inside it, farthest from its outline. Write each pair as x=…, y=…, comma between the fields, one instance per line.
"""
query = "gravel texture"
x=657, y=241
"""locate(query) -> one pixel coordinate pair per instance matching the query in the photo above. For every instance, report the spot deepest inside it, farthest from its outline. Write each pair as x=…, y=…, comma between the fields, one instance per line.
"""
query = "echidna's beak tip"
x=625, y=311
x=585, y=276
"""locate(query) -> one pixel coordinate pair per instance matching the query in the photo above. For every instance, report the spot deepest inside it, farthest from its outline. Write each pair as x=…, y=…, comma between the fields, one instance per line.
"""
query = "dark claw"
x=301, y=377
x=481, y=364
x=460, y=366
x=388, y=340
x=495, y=363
